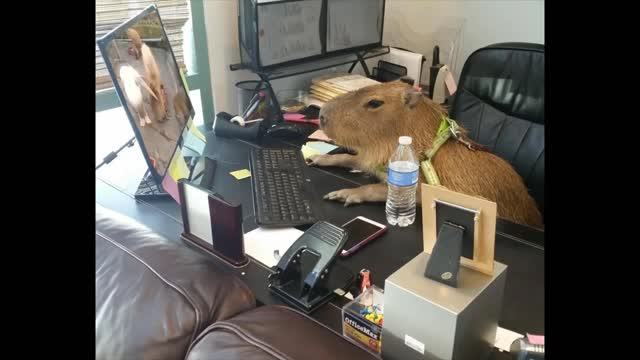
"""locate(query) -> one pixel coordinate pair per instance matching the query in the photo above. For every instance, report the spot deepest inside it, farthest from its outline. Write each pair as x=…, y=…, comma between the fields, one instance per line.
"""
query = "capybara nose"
x=323, y=121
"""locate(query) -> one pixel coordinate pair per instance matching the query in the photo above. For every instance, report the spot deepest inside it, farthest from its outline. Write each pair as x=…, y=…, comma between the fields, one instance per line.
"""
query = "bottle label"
x=399, y=178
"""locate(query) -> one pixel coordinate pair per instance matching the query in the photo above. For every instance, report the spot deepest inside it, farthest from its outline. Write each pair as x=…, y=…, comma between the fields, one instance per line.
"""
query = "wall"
x=418, y=25
x=412, y=24
x=222, y=34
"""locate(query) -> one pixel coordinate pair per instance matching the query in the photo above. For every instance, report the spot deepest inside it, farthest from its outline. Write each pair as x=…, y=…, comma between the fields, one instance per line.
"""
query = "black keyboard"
x=282, y=193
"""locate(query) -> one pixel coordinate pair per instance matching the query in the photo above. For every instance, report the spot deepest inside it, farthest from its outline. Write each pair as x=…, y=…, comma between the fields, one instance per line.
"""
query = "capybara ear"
x=411, y=96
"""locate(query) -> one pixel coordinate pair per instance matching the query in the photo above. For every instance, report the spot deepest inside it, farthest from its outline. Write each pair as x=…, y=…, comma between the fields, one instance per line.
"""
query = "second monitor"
x=276, y=33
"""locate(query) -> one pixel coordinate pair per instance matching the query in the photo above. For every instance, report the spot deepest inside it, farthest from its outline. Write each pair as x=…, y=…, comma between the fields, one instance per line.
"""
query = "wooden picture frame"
x=484, y=231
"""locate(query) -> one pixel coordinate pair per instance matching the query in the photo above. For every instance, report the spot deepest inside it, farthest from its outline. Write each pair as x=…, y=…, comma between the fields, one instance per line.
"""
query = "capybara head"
x=379, y=113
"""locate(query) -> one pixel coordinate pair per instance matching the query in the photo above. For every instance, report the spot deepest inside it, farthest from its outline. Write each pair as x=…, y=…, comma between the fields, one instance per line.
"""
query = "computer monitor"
x=275, y=33
x=150, y=86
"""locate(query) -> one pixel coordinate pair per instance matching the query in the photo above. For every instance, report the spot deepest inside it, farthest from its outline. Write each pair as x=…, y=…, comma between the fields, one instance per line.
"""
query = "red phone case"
x=356, y=247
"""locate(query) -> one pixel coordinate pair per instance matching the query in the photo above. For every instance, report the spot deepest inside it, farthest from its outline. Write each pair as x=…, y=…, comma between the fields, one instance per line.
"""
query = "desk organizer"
x=357, y=316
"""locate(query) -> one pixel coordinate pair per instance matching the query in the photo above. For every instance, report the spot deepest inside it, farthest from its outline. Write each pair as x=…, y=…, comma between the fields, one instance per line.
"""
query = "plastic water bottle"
x=402, y=178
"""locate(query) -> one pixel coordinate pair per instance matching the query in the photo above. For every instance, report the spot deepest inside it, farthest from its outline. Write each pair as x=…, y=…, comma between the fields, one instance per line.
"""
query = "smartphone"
x=361, y=231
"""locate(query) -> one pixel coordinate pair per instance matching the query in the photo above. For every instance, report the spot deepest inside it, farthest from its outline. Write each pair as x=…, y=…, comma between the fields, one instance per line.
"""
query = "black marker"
x=433, y=71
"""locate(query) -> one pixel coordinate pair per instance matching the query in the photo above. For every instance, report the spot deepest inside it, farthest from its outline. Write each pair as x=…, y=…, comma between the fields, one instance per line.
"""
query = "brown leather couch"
x=272, y=332
x=158, y=299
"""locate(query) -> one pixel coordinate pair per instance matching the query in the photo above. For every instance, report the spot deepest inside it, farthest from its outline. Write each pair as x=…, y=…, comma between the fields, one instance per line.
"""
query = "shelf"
x=316, y=65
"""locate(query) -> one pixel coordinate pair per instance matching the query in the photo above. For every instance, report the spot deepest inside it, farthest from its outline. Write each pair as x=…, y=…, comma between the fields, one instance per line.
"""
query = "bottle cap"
x=405, y=140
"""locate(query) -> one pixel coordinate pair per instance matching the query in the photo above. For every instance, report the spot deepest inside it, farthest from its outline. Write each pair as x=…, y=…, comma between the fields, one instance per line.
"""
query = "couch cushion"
x=272, y=332
x=153, y=295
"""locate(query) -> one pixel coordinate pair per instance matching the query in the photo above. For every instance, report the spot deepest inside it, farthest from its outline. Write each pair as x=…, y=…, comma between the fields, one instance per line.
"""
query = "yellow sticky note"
x=308, y=151
x=178, y=168
x=184, y=80
x=321, y=146
x=241, y=174
x=194, y=130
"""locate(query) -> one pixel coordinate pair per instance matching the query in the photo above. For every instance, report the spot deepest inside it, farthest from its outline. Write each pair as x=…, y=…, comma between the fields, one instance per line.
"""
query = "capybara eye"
x=375, y=104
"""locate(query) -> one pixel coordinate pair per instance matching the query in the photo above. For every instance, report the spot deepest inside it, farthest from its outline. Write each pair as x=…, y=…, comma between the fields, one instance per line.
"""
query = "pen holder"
x=246, y=90
x=359, y=319
x=267, y=109
x=223, y=127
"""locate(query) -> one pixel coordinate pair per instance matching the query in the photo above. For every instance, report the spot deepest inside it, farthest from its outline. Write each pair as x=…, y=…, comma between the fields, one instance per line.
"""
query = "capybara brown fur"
x=370, y=121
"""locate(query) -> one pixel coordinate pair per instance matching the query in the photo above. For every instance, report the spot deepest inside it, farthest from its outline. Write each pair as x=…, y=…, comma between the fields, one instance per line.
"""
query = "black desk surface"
x=521, y=248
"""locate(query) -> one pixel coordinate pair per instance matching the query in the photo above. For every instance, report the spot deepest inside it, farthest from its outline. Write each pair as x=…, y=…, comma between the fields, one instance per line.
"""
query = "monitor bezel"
x=102, y=45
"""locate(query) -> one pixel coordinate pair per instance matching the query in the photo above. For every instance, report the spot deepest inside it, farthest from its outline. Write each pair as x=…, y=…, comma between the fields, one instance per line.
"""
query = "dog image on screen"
x=147, y=74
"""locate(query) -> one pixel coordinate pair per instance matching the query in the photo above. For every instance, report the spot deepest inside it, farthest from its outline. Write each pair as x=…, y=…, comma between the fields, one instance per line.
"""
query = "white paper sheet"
x=261, y=243
x=504, y=338
x=197, y=203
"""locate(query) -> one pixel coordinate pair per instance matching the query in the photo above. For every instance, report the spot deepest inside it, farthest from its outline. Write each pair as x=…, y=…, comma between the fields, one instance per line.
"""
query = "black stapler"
x=301, y=275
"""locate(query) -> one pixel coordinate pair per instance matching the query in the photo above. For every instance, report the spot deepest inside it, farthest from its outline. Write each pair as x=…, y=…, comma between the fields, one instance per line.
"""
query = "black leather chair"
x=500, y=101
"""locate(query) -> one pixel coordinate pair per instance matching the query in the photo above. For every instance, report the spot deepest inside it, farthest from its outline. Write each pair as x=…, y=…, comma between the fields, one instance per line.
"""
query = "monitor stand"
x=149, y=189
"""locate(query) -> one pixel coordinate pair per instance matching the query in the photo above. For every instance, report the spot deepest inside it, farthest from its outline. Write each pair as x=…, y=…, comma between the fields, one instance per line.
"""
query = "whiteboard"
x=197, y=204
x=289, y=31
x=352, y=23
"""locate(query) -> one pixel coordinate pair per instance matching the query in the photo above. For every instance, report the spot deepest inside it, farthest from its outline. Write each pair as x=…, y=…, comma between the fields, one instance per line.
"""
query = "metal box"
x=425, y=319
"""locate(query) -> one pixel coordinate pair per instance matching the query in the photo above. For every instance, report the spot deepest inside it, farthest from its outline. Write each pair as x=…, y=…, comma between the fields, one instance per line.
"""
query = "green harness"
x=448, y=128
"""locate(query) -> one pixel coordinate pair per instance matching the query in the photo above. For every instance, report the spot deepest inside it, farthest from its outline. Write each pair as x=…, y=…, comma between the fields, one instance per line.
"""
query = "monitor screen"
x=353, y=23
x=289, y=31
x=148, y=81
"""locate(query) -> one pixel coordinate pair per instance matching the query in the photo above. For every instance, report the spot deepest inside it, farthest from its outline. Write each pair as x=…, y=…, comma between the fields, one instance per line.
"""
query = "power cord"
x=114, y=154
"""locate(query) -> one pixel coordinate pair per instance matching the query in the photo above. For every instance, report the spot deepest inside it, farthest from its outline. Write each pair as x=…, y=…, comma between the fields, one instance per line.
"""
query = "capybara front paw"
x=348, y=196
x=318, y=160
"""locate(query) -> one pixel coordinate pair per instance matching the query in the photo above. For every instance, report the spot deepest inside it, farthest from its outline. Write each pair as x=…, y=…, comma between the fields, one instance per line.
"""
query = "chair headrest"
x=509, y=77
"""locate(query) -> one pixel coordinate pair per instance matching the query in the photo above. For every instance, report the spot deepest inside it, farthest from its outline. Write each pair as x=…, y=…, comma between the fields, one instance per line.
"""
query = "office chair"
x=500, y=101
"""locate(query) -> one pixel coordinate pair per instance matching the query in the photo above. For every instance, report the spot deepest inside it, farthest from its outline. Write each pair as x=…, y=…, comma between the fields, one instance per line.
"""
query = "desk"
x=521, y=248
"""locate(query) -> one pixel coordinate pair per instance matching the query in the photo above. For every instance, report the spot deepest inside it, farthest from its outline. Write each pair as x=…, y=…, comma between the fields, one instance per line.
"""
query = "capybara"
x=370, y=121
x=152, y=74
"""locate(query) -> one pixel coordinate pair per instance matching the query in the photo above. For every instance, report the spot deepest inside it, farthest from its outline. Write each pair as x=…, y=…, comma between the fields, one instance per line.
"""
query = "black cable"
x=114, y=154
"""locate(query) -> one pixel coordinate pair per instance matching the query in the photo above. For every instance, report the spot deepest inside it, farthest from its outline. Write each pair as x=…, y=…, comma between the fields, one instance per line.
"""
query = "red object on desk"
x=366, y=280
x=312, y=121
x=300, y=118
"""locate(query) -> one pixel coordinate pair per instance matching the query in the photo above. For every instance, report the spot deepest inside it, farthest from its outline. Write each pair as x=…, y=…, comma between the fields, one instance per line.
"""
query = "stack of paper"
x=267, y=245
x=504, y=339
x=327, y=87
